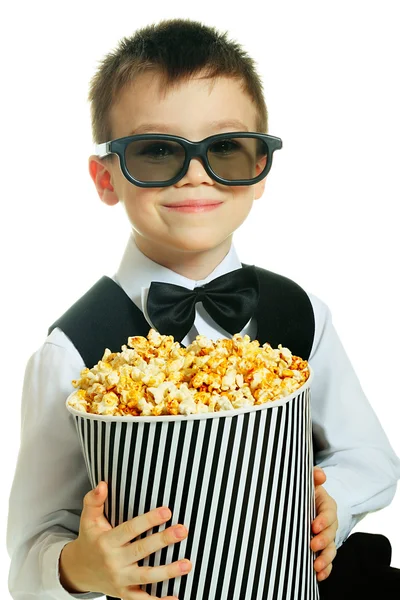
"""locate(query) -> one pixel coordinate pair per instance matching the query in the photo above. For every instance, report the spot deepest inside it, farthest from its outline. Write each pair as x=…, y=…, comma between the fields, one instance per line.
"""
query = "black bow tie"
x=230, y=300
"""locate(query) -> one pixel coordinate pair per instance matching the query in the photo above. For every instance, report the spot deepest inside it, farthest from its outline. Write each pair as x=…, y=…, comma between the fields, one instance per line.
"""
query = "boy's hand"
x=325, y=525
x=104, y=559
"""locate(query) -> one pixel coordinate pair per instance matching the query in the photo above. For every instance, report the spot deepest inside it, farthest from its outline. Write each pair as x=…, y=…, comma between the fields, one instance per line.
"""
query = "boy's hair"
x=175, y=50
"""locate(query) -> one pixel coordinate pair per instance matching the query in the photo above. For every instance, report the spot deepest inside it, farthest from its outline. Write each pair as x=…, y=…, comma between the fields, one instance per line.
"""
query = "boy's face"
x=188, y=110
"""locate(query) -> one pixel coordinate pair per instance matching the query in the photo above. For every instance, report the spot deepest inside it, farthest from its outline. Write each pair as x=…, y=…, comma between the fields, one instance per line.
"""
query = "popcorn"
x=157, y=376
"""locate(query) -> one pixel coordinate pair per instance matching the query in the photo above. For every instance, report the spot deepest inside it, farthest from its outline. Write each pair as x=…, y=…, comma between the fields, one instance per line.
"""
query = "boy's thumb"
x=99, y=490
x=93, y=501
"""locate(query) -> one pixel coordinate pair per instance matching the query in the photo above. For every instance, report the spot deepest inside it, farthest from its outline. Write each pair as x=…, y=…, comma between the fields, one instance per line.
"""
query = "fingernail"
x=184, y=566
x=97, y=490
x=179, y=531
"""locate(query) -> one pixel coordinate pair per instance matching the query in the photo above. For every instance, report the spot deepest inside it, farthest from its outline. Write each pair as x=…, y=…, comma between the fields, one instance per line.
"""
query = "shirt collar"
x=136, y=272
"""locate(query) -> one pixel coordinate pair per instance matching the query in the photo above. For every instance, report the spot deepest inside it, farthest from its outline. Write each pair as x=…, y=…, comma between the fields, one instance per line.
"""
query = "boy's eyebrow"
x=164, y=128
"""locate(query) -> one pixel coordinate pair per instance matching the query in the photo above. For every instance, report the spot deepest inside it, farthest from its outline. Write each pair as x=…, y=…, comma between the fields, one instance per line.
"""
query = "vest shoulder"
x=100, y=294
x=104, y=317
x=281, y=281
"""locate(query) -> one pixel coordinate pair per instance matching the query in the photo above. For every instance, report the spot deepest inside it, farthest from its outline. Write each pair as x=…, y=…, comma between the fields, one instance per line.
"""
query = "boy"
x=183, y=79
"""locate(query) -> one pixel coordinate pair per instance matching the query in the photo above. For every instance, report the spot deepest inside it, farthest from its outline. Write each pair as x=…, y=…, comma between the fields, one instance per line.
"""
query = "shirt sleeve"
x=50, y=480
x=360, y=464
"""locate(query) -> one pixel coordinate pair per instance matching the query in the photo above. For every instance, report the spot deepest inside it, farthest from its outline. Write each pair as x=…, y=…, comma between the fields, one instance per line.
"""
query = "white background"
x=328, y=217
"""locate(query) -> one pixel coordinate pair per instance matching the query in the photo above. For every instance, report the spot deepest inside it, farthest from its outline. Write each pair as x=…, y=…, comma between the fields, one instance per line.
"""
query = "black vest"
x=105, y=317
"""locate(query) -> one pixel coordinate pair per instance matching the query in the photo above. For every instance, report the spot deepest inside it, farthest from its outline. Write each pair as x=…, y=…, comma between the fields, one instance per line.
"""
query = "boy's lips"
x=194, y=206
x=193, y=203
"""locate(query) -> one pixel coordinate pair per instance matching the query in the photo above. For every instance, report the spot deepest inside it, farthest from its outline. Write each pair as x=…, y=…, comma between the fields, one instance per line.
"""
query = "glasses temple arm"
x=102, y=150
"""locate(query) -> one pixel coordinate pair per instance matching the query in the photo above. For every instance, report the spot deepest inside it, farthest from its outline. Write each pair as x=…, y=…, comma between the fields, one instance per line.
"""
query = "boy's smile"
x=189, y=240
x=191, y=206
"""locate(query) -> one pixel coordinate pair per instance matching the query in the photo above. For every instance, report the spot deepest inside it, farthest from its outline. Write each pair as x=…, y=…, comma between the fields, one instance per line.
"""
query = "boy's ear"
x=259, y=188
x=102, y=180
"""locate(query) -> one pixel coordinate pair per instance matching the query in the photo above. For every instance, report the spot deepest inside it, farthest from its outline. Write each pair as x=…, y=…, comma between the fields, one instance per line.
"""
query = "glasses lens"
x=238, y=158
x=154, y=160
x=231, y=158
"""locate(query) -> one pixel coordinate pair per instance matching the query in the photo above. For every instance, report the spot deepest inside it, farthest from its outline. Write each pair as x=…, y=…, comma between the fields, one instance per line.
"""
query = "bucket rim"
x=191, y=417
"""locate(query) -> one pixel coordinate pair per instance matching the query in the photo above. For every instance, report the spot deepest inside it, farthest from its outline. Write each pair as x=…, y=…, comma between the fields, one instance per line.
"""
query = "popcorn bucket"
x=241, y=481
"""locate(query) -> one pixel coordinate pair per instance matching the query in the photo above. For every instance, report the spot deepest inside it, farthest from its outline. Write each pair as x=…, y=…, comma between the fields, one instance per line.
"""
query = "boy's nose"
x=196, y=173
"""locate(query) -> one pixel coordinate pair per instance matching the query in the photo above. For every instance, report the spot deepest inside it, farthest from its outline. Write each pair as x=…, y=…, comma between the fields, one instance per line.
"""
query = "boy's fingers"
x=319, y=476
x=325, y=573
x=325, y=558
x=131, y=529
x=326, y=518
x=324, y=539
x=93, y=504
x=325, y=503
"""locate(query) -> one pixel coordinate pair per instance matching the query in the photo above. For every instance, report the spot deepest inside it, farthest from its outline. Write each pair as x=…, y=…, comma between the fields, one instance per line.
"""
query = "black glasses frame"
x=192, y=150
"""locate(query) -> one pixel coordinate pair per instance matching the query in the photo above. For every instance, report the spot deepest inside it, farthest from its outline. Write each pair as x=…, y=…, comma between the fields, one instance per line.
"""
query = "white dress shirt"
x=50, y=479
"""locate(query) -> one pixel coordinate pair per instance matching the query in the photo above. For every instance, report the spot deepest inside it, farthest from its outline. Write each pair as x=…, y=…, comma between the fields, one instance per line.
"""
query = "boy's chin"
x=200, y=244
x=187, y=243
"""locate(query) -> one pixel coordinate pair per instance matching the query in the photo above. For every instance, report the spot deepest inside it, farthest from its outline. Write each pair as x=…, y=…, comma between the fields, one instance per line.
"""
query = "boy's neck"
x=192, y=265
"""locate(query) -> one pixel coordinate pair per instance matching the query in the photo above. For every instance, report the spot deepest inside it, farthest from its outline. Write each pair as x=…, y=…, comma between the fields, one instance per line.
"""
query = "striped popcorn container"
x=241, y=482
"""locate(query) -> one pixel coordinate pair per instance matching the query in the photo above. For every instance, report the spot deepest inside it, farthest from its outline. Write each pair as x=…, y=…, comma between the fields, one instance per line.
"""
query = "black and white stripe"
x=242, y=485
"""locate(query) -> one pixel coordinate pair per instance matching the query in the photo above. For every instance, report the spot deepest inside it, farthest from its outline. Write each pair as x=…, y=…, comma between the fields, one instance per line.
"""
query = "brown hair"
x=175, y=49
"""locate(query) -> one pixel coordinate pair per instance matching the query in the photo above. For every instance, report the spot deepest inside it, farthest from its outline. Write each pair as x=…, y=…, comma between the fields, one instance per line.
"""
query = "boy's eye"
x=224, y=147
x=157, y=150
